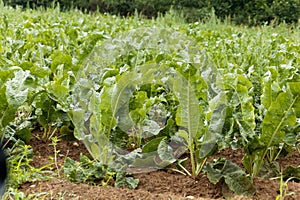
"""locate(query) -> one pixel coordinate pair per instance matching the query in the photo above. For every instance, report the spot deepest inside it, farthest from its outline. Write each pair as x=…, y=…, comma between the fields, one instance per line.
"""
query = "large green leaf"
x=188, y=113
x=270, y=87
x=121, y=94
x=279, y=114
x=245, y=118
x=238, y=91
x=216, y=117
x=216, y=123
x=152, y=145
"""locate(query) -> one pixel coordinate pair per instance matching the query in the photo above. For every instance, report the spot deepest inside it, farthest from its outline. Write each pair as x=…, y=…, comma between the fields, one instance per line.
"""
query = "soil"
x=162, y=184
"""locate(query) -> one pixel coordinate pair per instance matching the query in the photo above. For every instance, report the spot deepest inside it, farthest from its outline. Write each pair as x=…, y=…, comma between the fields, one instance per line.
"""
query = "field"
x=102, y=107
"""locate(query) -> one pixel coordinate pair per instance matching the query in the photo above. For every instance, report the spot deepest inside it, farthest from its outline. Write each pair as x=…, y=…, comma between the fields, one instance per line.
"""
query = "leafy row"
x=142, y=93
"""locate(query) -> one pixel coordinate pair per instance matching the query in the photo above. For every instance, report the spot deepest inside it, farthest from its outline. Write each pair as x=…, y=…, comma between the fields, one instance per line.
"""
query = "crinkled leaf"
x=123, y=181
x=151, y=127
x=16, y=91
x=234, y=176
x=165, y=152
x=7, y=112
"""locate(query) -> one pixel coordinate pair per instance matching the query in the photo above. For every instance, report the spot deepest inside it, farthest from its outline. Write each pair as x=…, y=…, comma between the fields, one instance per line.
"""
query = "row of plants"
x=143, y=94
x=41, y=53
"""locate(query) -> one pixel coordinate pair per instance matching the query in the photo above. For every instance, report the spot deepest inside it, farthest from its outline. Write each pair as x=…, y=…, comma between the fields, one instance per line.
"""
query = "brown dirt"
x=162, y=184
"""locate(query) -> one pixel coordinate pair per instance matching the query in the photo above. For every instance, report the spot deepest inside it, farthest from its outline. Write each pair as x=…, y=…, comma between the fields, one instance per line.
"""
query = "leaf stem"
x=192, y=159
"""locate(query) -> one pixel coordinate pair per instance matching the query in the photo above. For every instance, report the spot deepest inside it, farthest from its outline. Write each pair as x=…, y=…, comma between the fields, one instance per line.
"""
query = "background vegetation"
x=239, y=11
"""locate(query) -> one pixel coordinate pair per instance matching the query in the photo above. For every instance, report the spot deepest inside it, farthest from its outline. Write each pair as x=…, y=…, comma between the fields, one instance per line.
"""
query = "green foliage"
x=188, y=114
x=291, y=173
x=159, y=80
x=95, y=172
x=241, y=104
x=20, y=156
x=282, y=112
x=235, y=178
x=151, y=89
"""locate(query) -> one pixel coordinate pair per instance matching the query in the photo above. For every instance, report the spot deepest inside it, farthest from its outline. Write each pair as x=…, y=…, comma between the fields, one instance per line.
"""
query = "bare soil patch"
x=162, y=184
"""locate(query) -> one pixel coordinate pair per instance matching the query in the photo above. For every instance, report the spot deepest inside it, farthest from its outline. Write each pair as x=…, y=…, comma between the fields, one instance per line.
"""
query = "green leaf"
x=122, y=92
x=294, y=87
x=213, y=171
x=216, y=118
x=183, y=134
x=165, y=152
x=152, y=145
x=240, y=184
x=253, y=152
x=188, y=113
x=60, y=58
x=7, y=112
x=233, y=175
x=45, y=110
x=290, y=138
x=291, y=172
x=128, y=182
x=5, y=75
x=150, y=127
x=279, y=114
x=245, y=118
x=61, y=92
x=16, y=91
x=238, y=90
x=96, y=172
x=24, y=134
x=268, y=169
x=123, y=181
x=105, y=97
x=147, y=161
x=270, y=86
